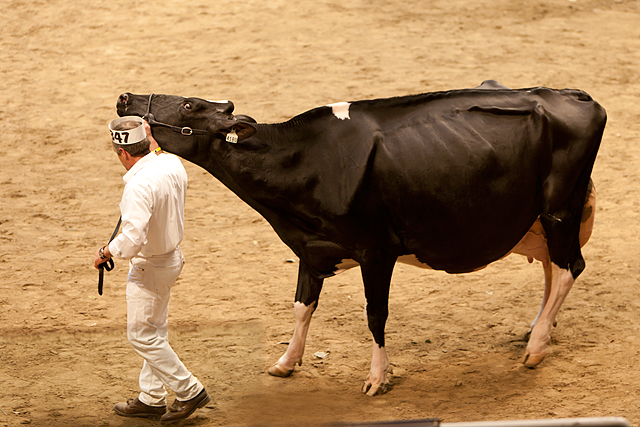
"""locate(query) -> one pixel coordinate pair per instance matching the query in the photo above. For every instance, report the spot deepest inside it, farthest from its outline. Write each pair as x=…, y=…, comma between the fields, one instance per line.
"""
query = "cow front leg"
x=376, y=275
x=306, y=302
x=285, y=365
x=561, y=283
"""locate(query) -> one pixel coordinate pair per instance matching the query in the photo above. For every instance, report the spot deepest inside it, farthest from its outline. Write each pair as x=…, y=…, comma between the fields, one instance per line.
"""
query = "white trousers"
x=148, y=290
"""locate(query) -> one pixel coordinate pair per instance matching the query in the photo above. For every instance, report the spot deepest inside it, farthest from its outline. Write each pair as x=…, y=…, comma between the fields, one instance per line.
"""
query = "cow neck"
x=254, y=174
x=222, y=160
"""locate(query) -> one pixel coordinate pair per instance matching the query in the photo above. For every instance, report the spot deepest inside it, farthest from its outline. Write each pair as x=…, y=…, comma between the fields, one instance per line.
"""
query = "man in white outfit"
x=152, y=209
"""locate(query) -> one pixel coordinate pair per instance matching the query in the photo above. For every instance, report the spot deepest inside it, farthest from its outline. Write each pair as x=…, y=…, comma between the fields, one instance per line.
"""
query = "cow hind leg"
x=586, y=228
x=548, y=271
x=376, y=275
x=561, y=283
x=565, y=235
x=306, y=302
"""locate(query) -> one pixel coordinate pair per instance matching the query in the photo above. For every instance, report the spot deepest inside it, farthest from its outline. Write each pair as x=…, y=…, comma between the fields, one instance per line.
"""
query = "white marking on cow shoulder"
x=340, y=110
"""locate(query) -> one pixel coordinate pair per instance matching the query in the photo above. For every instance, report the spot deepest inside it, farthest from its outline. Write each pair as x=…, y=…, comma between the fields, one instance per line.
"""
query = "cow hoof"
x=531, y=360
x=278, y=371
x=375, y=389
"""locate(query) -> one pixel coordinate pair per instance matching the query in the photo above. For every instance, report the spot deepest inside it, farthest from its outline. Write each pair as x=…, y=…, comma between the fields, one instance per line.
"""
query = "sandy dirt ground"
x=455, y=341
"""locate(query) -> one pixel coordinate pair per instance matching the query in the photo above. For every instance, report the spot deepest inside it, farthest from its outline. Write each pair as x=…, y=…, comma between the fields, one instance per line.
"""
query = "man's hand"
x=97, y=260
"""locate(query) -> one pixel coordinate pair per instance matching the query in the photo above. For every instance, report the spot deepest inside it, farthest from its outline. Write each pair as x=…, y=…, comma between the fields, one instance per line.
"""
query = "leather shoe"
x=135, y=408
x=181, y=410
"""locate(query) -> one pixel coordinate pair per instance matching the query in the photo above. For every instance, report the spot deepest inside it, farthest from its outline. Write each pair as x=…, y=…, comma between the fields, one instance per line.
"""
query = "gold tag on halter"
x=232, y=137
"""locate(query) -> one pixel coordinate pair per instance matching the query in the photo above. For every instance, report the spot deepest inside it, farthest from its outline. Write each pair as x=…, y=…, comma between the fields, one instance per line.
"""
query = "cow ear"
x=242, y=129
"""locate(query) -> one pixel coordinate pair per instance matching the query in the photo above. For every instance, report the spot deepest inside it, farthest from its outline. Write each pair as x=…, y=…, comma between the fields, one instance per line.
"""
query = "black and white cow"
x=449, y=180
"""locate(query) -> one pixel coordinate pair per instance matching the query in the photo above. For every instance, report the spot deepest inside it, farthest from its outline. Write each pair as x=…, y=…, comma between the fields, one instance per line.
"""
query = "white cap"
x=130, y=136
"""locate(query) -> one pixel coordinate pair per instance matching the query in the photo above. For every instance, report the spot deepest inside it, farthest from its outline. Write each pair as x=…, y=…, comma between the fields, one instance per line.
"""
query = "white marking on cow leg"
x=561, y=283
x=547, y=289
x=285, y=365
x=340, y=110
x=376, y=382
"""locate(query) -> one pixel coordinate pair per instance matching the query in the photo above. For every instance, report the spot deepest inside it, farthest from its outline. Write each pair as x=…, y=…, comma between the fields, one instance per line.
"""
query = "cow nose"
x=123, y=99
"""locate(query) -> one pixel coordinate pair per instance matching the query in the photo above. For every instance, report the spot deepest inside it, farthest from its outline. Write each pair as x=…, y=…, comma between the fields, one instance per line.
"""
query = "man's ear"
x=125, y=154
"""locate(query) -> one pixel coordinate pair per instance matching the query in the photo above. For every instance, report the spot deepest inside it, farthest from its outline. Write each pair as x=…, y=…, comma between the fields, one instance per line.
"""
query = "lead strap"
x=108, y=265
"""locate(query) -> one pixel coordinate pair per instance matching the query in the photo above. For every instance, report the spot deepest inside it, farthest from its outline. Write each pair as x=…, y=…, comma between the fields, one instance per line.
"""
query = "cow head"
x=181, y=125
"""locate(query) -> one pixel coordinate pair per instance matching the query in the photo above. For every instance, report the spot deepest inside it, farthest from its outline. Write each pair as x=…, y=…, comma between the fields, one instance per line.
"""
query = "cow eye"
x=187, y=106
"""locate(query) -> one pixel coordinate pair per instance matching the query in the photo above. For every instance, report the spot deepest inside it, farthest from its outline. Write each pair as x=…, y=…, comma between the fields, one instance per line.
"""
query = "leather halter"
x=187, y=131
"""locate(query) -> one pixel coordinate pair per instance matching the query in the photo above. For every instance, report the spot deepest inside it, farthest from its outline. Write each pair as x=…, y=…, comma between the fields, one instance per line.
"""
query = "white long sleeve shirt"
x=152, y=207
